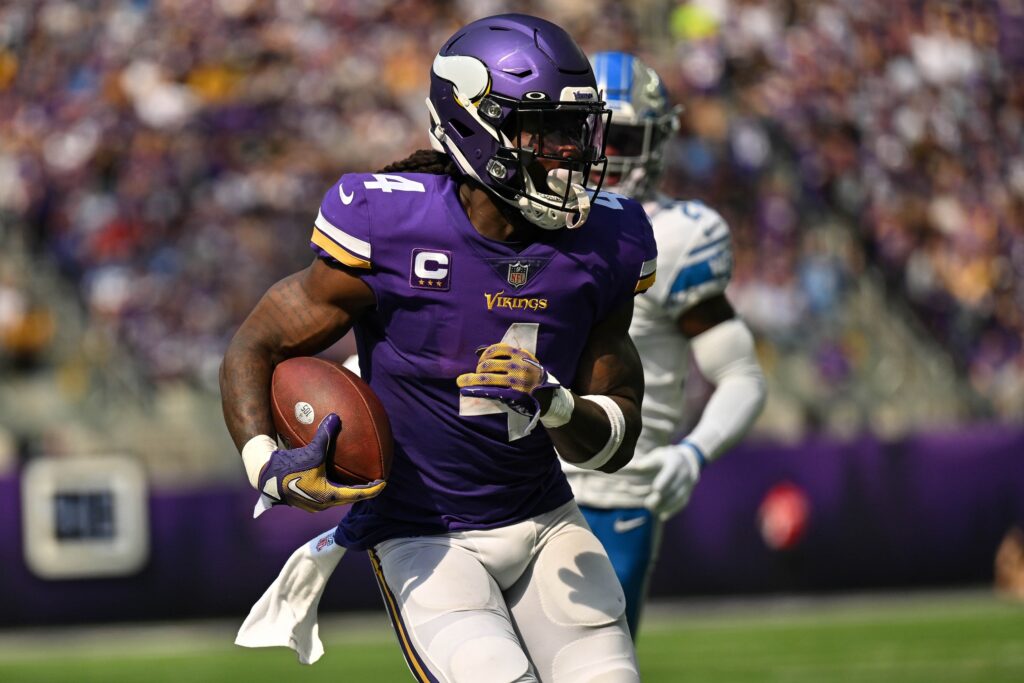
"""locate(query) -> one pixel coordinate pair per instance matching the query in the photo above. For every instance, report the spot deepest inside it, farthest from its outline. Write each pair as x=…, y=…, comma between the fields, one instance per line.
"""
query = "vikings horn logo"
x=518, y=273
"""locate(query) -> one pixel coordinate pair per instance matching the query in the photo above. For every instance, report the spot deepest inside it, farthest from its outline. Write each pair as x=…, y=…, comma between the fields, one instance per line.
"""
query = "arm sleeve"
x=725, y=356
x=341, y=232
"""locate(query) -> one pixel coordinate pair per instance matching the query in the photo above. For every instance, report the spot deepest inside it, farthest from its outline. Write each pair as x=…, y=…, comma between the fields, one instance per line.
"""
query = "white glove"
x=679, y=471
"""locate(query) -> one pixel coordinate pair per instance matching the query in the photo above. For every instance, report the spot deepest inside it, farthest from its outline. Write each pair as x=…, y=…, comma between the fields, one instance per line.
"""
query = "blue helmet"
x=643, y=121
x=514, y=103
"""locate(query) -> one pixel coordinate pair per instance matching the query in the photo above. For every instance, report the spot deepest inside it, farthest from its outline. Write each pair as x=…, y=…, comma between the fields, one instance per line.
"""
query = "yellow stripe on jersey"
x=645, y=283
x=336, y=251
x=396, y=620
x=352, y=244
x=647, y=275
x=346, y=248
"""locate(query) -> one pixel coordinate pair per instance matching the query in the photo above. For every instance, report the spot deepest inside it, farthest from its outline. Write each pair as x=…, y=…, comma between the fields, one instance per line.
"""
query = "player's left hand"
x=508, y=374
x=679, y=471
x=298, y=477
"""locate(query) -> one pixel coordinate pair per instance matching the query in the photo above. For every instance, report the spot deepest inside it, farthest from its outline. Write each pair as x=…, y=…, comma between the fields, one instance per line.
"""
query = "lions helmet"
x=643, y=122
x=514, y=103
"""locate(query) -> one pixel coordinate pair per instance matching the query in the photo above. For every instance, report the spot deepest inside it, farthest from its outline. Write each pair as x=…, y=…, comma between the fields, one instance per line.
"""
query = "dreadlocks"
x=424, y=161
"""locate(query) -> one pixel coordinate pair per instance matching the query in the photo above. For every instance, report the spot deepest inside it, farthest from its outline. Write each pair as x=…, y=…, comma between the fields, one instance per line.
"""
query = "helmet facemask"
x=552, y=151
x=636, y=153
x=549, y=159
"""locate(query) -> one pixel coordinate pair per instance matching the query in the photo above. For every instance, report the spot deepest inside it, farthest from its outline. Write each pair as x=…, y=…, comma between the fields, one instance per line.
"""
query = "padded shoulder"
x=636, y=244
x=342, y=228
x=696, y=258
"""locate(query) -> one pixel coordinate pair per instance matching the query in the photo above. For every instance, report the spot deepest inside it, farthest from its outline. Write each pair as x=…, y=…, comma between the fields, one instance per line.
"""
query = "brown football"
x=304, y=390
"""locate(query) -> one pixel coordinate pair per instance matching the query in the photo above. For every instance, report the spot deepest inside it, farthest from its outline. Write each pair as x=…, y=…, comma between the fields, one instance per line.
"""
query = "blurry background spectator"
x=160, y=160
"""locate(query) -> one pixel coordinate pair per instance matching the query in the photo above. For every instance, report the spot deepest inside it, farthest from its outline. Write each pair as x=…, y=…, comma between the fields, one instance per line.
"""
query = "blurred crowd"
x=902, y=119
x=169, y=155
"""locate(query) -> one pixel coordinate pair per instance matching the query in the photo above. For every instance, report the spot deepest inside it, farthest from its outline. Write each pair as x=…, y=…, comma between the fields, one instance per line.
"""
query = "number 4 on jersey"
x=609, y=199
x=522, y=336
x=393, y=183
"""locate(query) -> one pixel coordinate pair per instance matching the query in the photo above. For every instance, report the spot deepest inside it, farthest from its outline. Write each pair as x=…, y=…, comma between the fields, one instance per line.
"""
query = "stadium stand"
x=159, y=162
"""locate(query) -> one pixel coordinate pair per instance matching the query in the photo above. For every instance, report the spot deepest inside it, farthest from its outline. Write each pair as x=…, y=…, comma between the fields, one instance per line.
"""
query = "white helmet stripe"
x=468, y=75
x=470, y=80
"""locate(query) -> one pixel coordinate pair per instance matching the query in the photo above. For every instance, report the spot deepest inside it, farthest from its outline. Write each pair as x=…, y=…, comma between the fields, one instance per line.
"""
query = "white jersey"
x=694, y=263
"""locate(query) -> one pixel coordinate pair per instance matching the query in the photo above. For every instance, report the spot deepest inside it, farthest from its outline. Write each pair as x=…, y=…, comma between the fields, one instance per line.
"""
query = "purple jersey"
x=443, y=290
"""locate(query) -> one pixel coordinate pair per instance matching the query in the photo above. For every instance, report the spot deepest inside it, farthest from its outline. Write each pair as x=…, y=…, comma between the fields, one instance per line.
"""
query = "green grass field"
x=969, y=638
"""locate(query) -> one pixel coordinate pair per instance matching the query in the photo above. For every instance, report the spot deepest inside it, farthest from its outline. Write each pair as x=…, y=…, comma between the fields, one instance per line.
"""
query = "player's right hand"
x=508, y=374
x=679, y=471
x=298, y=476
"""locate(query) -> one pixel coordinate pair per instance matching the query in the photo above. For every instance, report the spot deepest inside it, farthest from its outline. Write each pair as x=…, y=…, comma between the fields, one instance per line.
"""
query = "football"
x=304, y=390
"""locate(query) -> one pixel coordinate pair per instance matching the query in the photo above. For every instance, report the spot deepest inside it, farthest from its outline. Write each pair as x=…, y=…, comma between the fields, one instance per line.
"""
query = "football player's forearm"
x=728, y=415
x=288, y=321
x=245, y=387
x=607, y=417
x=590, y=429
x=249, y=361
x=725, y=355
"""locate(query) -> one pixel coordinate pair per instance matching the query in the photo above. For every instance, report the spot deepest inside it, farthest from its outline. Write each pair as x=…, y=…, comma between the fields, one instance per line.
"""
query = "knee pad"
x=586, y=592
x=606, y=656
x=455, y=616
x=490, y=658
x=473, y=648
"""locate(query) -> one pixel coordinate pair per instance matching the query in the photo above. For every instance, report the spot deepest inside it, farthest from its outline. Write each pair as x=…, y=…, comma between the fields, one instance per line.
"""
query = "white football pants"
x=534, y=601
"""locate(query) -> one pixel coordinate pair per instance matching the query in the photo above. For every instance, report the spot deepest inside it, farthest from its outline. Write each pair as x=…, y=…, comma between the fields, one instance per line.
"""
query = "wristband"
x=255, y=454
x=617, y=421
x=702, y=460
x=560, y=411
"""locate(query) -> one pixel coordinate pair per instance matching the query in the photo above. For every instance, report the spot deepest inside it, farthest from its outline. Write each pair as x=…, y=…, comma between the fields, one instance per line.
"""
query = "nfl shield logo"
x=518, y=273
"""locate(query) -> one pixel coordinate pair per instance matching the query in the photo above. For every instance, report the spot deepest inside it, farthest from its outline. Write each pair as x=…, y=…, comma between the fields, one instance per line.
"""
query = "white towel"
x=286, y=613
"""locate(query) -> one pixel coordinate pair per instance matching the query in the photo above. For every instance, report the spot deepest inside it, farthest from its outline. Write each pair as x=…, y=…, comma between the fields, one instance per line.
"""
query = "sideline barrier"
x=926, y=511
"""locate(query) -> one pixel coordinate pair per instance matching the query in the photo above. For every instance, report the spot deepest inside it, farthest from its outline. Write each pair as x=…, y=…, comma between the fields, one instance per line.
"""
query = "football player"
x=490, y=291
x=686, y=310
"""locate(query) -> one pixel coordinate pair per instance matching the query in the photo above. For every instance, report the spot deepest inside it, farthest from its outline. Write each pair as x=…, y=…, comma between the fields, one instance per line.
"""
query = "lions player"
x=476, y=277
x=685, y=310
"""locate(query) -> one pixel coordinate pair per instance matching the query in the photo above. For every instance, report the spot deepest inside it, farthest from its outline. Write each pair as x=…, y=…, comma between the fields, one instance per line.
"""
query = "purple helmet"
x=514, y=103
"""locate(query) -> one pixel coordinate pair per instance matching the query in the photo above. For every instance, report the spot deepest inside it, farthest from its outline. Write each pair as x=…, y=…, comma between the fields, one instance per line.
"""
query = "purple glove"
x=510, y=375
x=298, y=477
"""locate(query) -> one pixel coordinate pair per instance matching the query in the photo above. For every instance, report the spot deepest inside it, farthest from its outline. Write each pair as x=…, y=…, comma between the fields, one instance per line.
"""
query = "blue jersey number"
x=693, y=209
x=609, y=199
